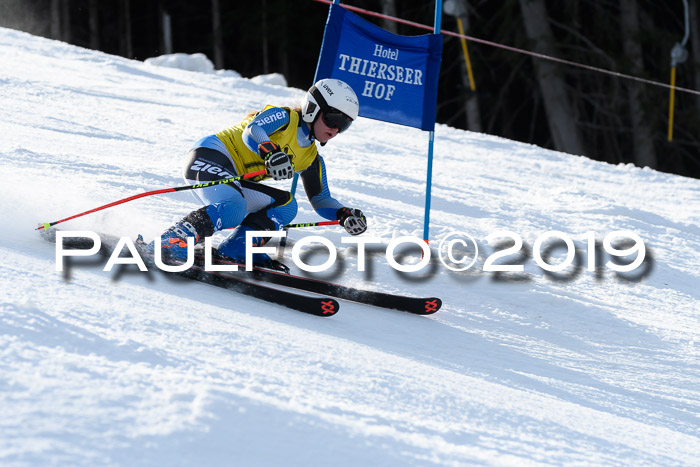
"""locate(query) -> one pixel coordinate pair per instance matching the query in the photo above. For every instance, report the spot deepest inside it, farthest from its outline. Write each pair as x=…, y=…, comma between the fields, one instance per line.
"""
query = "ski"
x=318, y=306
x=415, y=305
x=246, y=282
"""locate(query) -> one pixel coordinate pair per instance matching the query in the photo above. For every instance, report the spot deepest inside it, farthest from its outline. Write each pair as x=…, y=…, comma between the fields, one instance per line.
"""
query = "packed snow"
x=200, y=63
x=581, y=366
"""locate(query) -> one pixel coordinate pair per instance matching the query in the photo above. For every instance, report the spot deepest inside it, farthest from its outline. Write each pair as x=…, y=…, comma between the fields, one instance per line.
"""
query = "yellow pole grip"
x=466, y=55
x=670, y=104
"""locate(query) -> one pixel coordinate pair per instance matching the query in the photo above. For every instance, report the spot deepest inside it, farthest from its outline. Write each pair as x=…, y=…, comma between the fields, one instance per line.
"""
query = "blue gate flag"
x=395, y=77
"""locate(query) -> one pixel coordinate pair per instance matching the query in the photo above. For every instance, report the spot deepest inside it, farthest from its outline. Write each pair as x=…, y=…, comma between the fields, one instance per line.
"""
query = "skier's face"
x=322, y=132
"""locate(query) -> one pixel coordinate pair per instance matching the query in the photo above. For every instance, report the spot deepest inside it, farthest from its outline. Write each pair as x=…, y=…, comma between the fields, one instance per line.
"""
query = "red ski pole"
x=224, y=181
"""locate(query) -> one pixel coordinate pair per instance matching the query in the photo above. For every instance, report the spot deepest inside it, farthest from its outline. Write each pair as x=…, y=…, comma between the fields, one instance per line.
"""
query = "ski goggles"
x=334, y=118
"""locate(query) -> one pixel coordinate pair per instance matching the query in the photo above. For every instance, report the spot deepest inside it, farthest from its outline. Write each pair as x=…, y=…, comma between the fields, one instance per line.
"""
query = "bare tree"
x=284, y=46
x=560, y=114
x=166, y=32
x=265, y=41
x=217, y=34
x=389, y=9
x=94, y=24
x=641, y=131
x=125, y=37
x=459, y=9
x=66, y=32
x=55, y=21
x=695, y=45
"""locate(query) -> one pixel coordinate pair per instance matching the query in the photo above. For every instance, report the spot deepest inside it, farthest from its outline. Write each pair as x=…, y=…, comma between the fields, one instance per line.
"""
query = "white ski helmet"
x=330, y=97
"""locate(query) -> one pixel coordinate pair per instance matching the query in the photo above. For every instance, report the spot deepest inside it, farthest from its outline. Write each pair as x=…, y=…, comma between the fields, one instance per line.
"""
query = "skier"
x=282, y=141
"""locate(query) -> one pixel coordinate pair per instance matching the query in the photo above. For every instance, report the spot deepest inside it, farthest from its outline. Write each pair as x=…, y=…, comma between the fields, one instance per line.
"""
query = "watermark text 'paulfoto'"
x=457, y=251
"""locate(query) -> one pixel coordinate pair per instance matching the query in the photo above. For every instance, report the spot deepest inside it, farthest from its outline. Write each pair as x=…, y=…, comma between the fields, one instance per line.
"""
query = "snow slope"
x=128, y=368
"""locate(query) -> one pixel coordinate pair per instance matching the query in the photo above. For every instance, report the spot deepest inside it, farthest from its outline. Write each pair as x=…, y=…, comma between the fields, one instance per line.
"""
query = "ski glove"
x=277, y=162
x=353, y=220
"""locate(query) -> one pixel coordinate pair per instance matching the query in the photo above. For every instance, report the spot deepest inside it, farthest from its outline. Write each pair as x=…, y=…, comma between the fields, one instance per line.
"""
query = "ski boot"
x=173, y=242
x=233, y=248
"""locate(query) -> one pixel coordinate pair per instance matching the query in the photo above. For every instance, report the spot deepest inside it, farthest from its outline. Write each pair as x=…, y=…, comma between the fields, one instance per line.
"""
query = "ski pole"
x=224, y=181
x=295, y=226
x=310, y=224
x=283, y=241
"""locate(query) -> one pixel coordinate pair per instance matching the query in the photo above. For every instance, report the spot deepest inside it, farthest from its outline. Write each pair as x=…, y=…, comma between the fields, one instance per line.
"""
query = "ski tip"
x=46, y=232
x=431, y=305
x=329, y=307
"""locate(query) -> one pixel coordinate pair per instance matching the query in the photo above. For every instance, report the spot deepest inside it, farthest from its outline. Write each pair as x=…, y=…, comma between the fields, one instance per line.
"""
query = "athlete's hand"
x=353, y=220
x=277, y=162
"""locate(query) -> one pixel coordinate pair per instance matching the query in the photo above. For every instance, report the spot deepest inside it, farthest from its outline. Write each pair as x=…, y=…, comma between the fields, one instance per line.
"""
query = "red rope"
x=512, y=49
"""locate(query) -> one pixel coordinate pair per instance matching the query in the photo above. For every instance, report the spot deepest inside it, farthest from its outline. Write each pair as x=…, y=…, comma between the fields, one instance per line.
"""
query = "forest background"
x=517, y=96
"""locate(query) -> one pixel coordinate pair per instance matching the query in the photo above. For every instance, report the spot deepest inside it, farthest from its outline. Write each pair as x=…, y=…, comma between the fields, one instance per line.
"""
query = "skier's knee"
x=227, y=214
